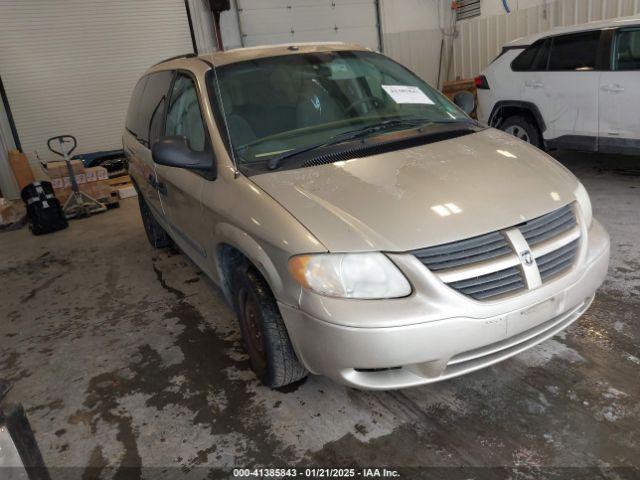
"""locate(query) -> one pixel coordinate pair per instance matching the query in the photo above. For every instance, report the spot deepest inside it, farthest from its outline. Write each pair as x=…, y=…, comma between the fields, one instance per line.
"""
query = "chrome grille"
x=492, y=284
x=548, y=226
x=487, y=266
x=464, y=252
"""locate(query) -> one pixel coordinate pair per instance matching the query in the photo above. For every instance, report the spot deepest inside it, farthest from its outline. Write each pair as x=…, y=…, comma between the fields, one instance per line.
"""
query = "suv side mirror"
x=174, y=151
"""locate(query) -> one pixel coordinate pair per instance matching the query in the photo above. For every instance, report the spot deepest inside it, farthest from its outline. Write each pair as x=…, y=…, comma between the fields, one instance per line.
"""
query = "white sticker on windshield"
x=407, y=94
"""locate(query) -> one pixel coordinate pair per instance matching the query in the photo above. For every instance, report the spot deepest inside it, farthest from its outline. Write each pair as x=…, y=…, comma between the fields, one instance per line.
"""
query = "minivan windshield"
x=277, y=105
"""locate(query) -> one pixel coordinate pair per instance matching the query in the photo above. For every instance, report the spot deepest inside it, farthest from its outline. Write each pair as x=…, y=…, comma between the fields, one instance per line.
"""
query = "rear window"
x=577, y=51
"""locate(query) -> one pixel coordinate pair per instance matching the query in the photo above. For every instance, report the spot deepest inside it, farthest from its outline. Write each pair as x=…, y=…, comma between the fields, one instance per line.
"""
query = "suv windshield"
x=289, y=103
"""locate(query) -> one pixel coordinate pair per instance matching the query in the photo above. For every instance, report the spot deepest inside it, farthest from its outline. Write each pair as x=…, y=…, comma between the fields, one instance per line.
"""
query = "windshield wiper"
x=275, y=162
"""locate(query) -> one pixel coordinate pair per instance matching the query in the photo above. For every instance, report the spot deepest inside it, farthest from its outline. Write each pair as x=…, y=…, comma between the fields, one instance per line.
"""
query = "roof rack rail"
x=184, y=55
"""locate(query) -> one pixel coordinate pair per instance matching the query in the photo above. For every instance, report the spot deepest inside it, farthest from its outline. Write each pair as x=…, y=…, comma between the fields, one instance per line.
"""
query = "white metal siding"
x=69, y=66
x=480, y=40
x=281, y=21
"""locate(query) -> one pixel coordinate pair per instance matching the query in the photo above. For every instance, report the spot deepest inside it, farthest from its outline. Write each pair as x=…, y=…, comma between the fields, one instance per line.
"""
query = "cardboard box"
x=102, y=173
x=59, y=169
x=21, y=168
x=11, y=212
x=96, y=173
x=99, y=190
x=126, y=192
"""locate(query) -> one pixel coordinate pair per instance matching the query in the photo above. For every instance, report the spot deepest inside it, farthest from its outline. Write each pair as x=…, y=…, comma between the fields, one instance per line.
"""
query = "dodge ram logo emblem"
x=526, y=257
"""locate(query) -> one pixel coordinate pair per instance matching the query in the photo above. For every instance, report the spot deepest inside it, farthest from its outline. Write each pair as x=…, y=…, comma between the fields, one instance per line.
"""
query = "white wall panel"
x=480, y=40
x=69, y=66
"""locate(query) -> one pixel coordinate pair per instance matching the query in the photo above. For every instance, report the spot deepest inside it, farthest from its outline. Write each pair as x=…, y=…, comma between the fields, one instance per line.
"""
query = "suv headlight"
x=350, y=275
x=585, y=203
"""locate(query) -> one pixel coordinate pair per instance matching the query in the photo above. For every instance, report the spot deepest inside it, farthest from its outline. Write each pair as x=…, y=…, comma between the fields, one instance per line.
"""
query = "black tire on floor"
x=157, y=236
x=522, y=128
x=264, y=334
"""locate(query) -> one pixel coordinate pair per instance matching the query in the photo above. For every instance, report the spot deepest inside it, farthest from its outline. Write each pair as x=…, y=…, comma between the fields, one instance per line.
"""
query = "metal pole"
x=12, y=123
x=379, y=25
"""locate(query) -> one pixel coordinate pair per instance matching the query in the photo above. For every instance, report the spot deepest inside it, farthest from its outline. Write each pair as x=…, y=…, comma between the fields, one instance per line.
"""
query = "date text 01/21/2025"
x=315, y=472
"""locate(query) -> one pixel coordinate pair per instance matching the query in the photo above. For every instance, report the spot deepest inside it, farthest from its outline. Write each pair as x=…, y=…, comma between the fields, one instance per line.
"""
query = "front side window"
x=574, y=52
x=183, y=115
x=280, y=104
x=151, y=108
x=627, y=50
x=133, y=122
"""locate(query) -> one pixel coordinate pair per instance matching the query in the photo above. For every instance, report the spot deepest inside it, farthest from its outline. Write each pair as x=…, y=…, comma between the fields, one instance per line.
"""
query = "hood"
x=423, y=196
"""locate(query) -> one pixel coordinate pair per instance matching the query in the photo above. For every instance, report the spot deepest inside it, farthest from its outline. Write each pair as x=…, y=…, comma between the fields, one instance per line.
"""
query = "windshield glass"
x=280, y=104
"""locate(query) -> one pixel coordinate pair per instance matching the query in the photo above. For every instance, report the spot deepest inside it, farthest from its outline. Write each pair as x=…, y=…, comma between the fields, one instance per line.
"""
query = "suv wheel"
x=522, y=128
x=158, y=237
x=264, y=334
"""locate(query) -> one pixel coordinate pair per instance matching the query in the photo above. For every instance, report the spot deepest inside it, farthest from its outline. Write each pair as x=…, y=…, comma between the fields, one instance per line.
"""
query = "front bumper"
x=437, y=333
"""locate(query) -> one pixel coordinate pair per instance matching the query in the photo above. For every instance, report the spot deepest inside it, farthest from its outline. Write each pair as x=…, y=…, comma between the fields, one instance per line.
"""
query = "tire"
x=264, y=334
x=158, y=237
x=522, y=128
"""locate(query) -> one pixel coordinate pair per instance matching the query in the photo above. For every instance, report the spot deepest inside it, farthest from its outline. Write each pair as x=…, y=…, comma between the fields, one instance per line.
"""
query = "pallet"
x=122, y=181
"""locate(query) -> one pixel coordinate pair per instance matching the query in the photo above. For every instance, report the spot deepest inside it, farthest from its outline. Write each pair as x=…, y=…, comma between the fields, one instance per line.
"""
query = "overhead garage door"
x=69, y=66
x=265, y=22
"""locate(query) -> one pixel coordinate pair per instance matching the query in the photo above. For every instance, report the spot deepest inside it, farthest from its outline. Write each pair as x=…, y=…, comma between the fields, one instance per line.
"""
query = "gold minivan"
x=360, y=224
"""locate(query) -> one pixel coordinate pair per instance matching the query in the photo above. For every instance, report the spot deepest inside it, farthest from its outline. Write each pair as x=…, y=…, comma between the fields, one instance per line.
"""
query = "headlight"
x=350, y=275
x=585, y=203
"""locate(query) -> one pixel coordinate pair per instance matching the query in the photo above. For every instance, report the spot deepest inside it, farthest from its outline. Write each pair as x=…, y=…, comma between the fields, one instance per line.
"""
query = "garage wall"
x=263, y=22
x=411, y=34
x=480, y=40
x=410, y=28
x=69, y=66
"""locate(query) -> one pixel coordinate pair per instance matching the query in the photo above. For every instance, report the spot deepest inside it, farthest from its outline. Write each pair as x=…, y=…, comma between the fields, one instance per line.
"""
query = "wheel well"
x=229, y=258
x=504, y=111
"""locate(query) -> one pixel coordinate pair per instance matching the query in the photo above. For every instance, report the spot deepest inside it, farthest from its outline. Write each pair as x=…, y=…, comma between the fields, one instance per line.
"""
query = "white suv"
x=572, y=88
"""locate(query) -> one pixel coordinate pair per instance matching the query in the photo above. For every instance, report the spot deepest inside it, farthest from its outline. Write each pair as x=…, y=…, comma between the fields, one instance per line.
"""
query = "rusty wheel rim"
x=252, y=332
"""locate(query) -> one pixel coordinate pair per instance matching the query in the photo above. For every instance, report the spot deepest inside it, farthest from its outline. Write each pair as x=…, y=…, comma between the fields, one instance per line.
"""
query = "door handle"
x=534, y=84
x=615, y=88
x=162, y=188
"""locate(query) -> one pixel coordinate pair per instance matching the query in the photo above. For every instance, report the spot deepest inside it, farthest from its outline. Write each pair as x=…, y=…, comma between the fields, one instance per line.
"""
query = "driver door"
x=180, y=189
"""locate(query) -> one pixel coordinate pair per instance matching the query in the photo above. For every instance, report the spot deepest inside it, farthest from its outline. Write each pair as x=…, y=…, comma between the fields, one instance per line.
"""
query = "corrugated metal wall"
x=480, y=40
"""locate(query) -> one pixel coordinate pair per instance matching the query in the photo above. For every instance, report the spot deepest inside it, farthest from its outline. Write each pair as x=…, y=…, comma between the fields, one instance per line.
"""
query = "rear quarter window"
x=533, y=58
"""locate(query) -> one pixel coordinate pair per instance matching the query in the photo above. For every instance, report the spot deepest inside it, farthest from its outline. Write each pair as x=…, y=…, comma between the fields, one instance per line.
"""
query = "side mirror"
x=465, y=101
x=175, y=152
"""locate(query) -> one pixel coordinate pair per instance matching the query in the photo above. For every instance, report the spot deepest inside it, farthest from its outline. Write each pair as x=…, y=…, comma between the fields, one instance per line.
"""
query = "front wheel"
x=264, y=334
x=158, y=237
x=522, y=128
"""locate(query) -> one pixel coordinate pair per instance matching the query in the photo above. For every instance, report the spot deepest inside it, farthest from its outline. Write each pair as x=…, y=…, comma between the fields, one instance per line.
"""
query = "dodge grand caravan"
x=361, y=225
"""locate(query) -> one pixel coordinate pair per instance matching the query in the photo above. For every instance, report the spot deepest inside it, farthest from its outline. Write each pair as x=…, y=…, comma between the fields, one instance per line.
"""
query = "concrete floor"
x=128, y=357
